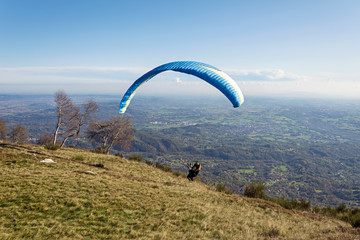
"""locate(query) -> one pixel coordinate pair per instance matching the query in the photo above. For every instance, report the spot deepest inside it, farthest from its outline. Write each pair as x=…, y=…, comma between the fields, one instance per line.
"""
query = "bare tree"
x=73, y=127
x=18, y=134
x=66, y=112
x=116, y=130
x=3, y=130
x=45, y=138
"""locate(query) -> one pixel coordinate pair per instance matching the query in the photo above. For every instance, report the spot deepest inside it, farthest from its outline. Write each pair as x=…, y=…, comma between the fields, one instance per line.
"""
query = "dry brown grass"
x=132, y=200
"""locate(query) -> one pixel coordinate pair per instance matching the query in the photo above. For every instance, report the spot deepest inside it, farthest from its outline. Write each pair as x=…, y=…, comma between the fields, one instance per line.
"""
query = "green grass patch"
x=245, y=171
x=135, y=157
x=222, y=188
x=78, y=157
x=279, y=169
x=53, y=147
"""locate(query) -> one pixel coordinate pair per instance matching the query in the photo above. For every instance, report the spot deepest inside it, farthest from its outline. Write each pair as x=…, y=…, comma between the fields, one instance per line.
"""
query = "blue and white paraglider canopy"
x=208, y=73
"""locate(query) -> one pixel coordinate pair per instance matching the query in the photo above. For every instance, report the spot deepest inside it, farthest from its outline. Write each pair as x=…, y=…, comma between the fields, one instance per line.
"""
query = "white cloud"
x=263, y=75
x=178, y=80
x=101, y=80
x=114, y=80
x=303, y=88
x=330, y=76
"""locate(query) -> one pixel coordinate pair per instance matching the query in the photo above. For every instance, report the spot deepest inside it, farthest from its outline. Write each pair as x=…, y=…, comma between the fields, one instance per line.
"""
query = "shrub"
x=53, y=147
x=99, y=165
x=328, y=211
x=316, y=209
x=134, y=157
x=255, y=190
x=355, y=220
x=304, y=205
x=148, y=162
x=100, y=150
x=46, y=139
x=341, y=208
x=18, y=134
x=3, y=130
x=295, y=204
x=119, y=155
x=163, y=167
x=222, y=188
x=355, y=211
x=282, y=202
x=351, y=216
x=180, y=174
x=272, y=232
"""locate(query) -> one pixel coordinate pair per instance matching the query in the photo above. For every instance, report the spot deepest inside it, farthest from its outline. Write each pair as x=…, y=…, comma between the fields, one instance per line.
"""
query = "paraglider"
x=193, y=171
x=206, y=72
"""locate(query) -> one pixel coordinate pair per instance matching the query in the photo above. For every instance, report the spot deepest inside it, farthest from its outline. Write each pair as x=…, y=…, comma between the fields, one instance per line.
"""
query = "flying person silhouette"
x=193, y=171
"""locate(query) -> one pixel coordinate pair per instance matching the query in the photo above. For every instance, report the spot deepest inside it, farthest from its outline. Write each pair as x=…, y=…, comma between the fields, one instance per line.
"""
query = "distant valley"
x=299, y=148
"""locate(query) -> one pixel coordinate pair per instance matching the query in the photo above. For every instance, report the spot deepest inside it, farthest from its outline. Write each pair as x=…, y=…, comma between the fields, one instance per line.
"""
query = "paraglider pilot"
x=193, y=171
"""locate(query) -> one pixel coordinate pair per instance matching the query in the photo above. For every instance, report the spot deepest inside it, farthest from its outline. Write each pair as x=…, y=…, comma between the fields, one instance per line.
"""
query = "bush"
x=119, y=155
x=180, y=174
x=53, y=147
x=222, y=188
x=255, y=190
x=295, y=204
x=341, y=208
x=134, y=157
x=355, y=220
x=304, y=205
x=18, y=134
x=148, y=162
x=46, y=139
x=272, y=232
x=282, y=202
x=355, y=211
x=351, y=216
x=99, y=165
x=163, y=167
x=100, y=150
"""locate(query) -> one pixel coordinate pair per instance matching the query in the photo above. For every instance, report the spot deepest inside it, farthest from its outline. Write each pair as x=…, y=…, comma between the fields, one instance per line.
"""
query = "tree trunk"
x=58, y=125
x=113, y=140
x=65, y=139
x=56, y=133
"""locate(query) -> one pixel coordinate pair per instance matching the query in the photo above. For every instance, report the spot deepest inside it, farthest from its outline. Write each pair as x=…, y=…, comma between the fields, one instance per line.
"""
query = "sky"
x=270, y=48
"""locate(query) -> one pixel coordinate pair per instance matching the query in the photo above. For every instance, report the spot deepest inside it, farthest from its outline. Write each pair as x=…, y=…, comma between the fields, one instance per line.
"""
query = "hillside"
x=123, y=199
x=299, y=148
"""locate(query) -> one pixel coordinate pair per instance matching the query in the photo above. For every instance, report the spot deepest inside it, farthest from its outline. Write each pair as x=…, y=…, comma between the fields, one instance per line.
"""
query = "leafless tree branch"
x=116, y=130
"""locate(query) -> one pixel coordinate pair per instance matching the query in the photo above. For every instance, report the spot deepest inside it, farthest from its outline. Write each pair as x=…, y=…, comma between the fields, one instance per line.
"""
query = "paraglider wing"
x=208, y=73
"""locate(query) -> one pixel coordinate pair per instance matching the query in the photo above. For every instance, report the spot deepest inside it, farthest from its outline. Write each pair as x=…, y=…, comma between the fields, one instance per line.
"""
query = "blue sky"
x=296, y=48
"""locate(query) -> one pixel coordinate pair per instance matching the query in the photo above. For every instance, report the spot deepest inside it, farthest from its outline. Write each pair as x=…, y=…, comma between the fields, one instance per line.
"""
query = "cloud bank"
x=263, y=75
x=116, y=80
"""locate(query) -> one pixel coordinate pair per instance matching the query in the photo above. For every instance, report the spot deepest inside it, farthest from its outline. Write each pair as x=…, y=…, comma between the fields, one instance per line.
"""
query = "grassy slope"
x=128, y=199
